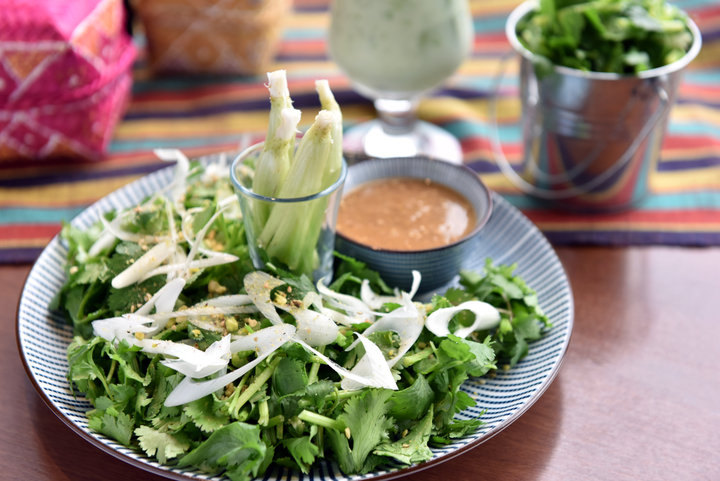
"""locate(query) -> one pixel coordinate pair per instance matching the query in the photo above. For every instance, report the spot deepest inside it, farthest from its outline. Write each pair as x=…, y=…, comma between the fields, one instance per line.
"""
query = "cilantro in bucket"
x=617, y=36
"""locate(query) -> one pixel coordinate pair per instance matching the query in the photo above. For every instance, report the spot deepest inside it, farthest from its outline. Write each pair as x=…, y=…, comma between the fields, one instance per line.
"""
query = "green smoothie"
x=396, y=49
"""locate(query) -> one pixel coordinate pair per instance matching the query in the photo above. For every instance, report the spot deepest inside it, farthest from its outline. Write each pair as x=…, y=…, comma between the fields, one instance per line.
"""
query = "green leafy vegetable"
x=235, y=450
x=618, y=36
x=293, y=406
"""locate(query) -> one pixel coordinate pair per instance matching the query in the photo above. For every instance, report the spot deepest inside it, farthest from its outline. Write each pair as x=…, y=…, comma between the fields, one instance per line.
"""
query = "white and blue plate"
x=509, y=237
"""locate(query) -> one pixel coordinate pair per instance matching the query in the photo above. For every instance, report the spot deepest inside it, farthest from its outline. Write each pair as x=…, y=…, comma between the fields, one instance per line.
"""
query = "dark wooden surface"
x=638, y=396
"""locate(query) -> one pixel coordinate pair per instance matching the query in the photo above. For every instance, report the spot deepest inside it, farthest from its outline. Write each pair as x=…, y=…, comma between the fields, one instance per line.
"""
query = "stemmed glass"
x=394, y=52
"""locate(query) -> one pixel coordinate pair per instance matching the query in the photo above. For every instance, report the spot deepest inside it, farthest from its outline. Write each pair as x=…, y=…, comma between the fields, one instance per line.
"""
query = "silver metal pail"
x=590, y=139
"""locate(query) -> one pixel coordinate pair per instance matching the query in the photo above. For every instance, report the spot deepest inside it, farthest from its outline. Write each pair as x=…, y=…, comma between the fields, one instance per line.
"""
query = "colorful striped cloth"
x=208, y=115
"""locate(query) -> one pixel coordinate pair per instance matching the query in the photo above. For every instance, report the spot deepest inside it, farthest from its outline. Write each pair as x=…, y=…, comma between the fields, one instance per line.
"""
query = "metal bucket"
x=590, y=139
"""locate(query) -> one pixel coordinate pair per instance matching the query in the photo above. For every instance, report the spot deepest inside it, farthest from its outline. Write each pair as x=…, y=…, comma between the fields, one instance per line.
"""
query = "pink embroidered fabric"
x=65, y=77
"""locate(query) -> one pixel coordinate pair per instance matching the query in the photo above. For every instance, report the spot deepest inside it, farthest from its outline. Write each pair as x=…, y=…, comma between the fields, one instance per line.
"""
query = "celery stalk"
x=328, y=102
x=272, y=168
x=275, y=159
x=289, y=232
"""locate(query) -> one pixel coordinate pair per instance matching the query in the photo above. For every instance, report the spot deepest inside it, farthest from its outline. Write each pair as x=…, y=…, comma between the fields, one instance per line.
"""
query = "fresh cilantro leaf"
x=413, y=401
x=350, y=273
x=365, y=416
x=162, y=445
x=303, y=451
x=83, y=369
x=484, y=357
x=116, y=425
x=235, y=449
x=289, y=377
x=457, y=428
x=413, y=447
x=207, y=413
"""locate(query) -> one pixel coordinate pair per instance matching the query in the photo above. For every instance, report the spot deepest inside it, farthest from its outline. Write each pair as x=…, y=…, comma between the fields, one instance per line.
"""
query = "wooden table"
x=638, y=395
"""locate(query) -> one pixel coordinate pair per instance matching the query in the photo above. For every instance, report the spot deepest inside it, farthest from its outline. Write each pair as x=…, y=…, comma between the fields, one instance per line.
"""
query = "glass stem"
x=397, y=117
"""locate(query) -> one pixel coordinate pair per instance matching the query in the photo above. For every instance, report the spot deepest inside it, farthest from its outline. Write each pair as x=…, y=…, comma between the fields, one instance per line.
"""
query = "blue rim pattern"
x=509, y=237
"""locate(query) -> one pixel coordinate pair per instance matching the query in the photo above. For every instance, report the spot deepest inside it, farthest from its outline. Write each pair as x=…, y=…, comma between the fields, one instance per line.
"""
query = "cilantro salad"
x=192, y=356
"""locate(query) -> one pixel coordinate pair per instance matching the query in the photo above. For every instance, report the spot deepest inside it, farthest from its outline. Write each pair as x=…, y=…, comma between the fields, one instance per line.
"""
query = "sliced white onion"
x=196, y=242
x=113, y=227
x=205, y=310
x=219, y=259
x=103, y=242
x=178, y=186
x=164, y=299
x=231, y=300
x=376, y=301
x=264, y=345
x=356, y=310
x=374, y=379
x=315, y=328
x=406, y=321
x=258, y=286
x=106, y=328
x=215, y=357
x=373, y=366
x=144, y=264
x=190, y=361
x=486, y=317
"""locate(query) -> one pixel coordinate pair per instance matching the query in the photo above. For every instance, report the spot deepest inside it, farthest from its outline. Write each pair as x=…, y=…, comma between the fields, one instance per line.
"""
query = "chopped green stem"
x=255, y=386
x=313, y=374
x=263, y=413
x=320, y=420
x=113, y=365
x=342, y=395
x=410, y=359
x=276, y=420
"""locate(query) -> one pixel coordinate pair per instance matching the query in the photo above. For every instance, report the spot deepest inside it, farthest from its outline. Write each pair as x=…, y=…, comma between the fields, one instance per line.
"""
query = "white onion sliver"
x=355, y=308
x=375, y=380
x=263, y=339
x=103, y=242
x=164, y=299
x=190, y=361
x=229, y=300
x=215, y=358
x=406, y=321
x=219, y=259
x=144, y=264
x=371, y=366
x=258, y=286
x=178, y=186
x=195, y=243
x=315, y=328
x=188, y=390
x=204, y=310
x=375, y=301
x=486, y=317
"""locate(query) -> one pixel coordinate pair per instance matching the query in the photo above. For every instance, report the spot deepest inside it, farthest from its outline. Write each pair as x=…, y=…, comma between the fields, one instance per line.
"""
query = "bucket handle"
x=509, y=172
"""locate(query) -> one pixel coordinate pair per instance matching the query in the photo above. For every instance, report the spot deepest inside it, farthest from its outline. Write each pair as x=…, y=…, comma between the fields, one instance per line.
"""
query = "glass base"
x=371, y=139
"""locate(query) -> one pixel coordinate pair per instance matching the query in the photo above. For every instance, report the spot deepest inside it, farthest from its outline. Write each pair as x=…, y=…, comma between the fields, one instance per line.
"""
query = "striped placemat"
x=208, y=115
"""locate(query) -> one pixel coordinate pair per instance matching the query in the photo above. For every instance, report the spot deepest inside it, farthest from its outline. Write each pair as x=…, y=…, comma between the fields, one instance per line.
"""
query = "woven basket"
x=212, y=36
x=65, y=77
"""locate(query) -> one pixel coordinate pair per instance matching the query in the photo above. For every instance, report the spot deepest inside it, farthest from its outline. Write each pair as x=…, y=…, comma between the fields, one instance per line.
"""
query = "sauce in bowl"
x=404, y=214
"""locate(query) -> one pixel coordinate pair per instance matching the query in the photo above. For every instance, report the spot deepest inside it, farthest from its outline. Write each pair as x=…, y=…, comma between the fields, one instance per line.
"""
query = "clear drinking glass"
x=395, y=51
x=316, y=213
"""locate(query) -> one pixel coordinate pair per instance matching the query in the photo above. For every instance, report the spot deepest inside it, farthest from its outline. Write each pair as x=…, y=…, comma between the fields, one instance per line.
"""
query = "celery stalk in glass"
x=309, y=237
x=275, y=159
x=289, y=224
x=328, y=102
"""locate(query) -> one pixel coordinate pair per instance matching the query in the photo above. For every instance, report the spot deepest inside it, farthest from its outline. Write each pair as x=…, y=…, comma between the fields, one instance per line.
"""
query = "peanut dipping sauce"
x=404, y=214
